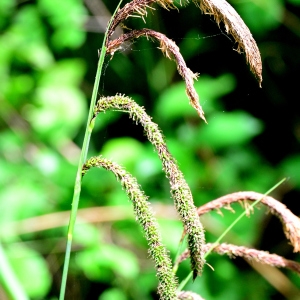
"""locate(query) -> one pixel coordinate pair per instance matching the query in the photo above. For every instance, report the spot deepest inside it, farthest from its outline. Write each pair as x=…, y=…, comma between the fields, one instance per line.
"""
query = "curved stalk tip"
x=159, y=254
x=180, y=190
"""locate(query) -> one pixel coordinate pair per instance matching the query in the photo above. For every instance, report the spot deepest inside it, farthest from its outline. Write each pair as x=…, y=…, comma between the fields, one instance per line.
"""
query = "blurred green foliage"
x=47, y=60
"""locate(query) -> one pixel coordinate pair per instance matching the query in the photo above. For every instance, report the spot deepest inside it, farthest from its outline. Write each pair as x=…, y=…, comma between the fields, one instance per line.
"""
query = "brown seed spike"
x=224, y=12
x=250, y=254
x=137, y=8
x=290, y=222
x=171, y=51
x=133, y=8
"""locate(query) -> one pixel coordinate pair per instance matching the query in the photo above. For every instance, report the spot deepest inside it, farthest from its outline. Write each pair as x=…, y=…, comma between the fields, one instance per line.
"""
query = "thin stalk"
x=185, y=281
x=179, y=251
x=242, y=215
x=82, y=159
x=9, y=280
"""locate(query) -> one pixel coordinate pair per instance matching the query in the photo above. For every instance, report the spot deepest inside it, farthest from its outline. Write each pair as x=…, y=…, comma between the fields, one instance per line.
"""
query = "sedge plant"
x=197, y=249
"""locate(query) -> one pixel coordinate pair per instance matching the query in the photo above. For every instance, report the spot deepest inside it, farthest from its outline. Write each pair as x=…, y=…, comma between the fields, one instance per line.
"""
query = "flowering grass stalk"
x=82, y=159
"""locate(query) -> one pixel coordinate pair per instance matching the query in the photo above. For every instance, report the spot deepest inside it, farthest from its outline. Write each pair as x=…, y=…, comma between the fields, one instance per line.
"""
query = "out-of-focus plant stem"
x=8, y=279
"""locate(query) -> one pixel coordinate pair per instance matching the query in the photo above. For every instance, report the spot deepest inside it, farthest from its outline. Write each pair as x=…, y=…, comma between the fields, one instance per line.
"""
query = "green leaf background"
x=48, y=58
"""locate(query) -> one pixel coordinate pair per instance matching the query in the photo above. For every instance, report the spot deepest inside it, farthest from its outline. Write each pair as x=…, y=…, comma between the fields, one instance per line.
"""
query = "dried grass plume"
x=234, y=25
x=249, y=254
x=171, y=51
x=290, y=222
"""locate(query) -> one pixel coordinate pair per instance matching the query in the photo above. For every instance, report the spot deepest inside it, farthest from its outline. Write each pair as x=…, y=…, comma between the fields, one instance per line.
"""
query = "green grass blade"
x=82, y=159
x=8, y=279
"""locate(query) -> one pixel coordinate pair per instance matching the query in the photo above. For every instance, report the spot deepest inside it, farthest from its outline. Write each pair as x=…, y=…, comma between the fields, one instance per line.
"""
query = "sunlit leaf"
x=227, y=129
x=113, y=294
x=103, y=261
x=60, y=106
x=123, y=150
x=268, y=14
x=31, y=269
x=86, y=234
x=173, y=103
x=6, y=8
x=68, y=18
x=68, y=38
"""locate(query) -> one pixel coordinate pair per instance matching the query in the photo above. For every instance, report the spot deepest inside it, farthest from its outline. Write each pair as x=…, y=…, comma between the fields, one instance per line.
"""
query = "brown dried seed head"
x=133, y=8
x=136, y=8
x=171, y=51
x=263, y=257
x=183, y=295
x=250, y=254
x=290, y=222
x=224, y=12
x=166, y=4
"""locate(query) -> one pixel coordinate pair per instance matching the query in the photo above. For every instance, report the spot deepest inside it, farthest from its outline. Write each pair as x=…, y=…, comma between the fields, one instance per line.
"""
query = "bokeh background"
x=48, y=59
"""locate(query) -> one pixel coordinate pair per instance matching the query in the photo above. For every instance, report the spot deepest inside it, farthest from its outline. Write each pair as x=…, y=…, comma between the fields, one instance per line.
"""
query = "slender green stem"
x=82, y=159
x=178, y=252
x=185, y=281
x=8, y=279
